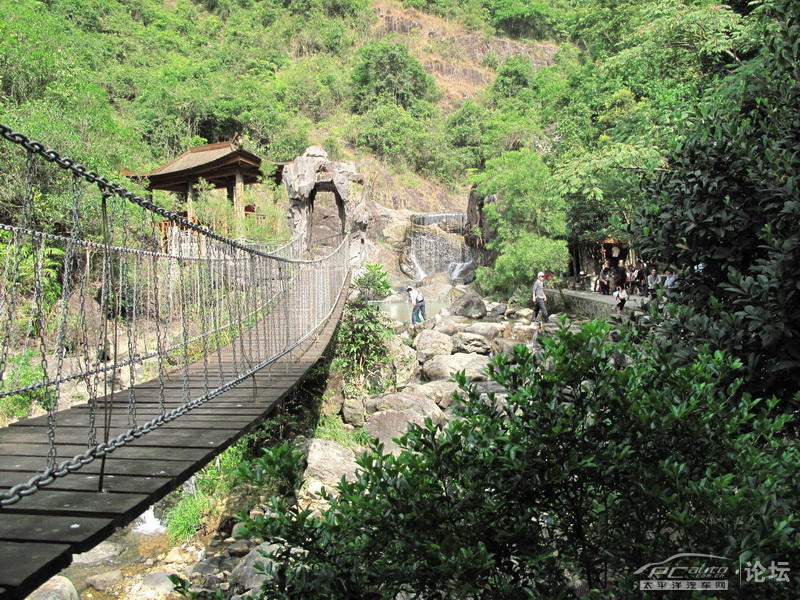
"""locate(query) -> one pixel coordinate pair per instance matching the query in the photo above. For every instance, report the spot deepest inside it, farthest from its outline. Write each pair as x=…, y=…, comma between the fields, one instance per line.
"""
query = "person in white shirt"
x=539, y=298
x=653, y=281
x=621, y=296
x=417, y=305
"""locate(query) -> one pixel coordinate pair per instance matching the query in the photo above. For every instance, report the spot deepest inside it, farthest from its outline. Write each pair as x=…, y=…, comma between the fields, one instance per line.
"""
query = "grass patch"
x=212, y=486
x=332, y=428
x=186, y=517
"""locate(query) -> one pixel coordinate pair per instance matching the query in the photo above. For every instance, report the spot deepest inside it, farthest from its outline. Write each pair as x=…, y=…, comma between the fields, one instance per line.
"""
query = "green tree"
x=515, y=76
x=528, y=220
x=386, y=72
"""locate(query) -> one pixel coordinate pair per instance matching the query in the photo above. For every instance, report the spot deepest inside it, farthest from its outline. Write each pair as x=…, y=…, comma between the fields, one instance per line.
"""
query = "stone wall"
x=579, y=305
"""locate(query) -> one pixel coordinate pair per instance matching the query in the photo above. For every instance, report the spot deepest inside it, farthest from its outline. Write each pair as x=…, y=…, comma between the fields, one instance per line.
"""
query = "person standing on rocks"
x=417, y=305
x=539, y=298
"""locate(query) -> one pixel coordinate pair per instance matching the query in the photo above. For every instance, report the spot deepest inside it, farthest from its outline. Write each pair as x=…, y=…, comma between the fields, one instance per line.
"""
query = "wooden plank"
x=78, y=482
x=198, y=438
x=195, y=391
x=120, y=421
x=119, y=507
x=41, y=561
x=264, y=398
x=82, y=533
x=129, y=451
x=113, y=466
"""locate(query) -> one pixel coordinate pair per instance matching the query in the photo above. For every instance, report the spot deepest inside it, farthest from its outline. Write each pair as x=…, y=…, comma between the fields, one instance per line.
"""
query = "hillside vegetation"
x=576, y=114
x=562, y=107
x=132, y=84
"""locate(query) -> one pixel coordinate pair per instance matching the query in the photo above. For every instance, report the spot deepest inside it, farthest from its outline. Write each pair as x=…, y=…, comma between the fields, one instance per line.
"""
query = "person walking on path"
x=417, y=305
x=539, y=298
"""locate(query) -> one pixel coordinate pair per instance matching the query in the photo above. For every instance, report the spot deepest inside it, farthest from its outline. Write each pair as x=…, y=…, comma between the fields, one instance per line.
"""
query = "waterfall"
x=436, y=245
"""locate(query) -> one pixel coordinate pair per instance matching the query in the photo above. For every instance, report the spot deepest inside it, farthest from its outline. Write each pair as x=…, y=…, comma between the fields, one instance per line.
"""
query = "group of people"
x=624, y=282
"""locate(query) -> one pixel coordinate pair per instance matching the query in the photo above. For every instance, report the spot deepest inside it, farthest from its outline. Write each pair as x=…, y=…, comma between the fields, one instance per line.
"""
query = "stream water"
x=127, y=550
x=401, y=311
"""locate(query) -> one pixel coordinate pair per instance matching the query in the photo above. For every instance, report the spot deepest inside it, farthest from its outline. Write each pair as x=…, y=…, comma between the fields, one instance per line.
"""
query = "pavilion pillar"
x=238, y=196
x=191, y=196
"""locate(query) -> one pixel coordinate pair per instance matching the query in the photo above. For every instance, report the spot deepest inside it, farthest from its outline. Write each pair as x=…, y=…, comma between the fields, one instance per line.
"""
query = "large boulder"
x=401, y=401
x=440, y=391
x=497, y=310
x=469, y=305
x=524, y=314
x=402, y=366
x=333, y=397
x=450, y=325
x=353, y=411
x=327, y=462
x=443, y=367
x=395, y=230
x=104, y=553
x=390, y=424
x=430, y=343
x=244, y=574
x=504, y=346
x=437, y=279
x=524, y=333
x=470, y=342
x=487, y=330
x=56, y=588
x=437, y=292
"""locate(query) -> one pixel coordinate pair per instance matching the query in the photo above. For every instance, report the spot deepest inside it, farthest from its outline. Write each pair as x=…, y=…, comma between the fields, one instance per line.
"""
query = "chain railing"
x=91, y=303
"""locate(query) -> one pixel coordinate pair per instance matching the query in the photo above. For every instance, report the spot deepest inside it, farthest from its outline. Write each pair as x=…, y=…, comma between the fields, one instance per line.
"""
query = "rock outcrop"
x=313, y=172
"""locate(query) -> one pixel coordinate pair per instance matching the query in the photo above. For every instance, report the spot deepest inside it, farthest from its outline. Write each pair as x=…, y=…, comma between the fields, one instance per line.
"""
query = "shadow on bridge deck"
x=40, y=533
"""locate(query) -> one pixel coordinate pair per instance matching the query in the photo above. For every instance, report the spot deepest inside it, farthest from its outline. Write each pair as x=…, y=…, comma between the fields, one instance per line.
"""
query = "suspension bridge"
x=147, y=342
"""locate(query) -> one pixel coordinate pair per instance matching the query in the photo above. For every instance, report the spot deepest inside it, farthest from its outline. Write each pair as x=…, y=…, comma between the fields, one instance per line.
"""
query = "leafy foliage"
x=360, y=343
x=528, y=218
x=726, y=214
x=373, y=282
x=279, y=469
x=386, y=72
x=21, y=370
x=523, y=493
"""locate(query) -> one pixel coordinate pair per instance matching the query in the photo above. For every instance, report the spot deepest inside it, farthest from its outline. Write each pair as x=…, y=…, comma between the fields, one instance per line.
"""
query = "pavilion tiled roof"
x=217, y=163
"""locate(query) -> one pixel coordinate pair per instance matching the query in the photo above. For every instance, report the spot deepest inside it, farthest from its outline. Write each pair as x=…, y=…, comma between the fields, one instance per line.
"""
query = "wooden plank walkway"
x=40, y=533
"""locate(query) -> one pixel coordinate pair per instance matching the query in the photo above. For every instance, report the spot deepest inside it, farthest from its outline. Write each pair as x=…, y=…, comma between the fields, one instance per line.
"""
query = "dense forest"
x=674, y=124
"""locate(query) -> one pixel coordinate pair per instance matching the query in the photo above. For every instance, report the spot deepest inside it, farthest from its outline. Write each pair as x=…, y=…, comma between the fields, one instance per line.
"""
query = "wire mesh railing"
x=97, y=296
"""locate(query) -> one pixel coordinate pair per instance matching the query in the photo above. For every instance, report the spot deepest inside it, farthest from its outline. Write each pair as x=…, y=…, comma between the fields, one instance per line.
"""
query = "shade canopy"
x=219, y=164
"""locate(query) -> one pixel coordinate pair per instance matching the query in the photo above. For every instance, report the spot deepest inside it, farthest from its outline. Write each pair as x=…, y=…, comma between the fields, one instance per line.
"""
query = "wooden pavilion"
x=223, y=164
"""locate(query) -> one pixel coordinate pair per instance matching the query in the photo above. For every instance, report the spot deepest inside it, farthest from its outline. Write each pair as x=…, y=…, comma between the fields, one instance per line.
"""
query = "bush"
x=591, y=467
x=360, y=339
x=372, y=283
x=515, y=75
x=519, y=262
